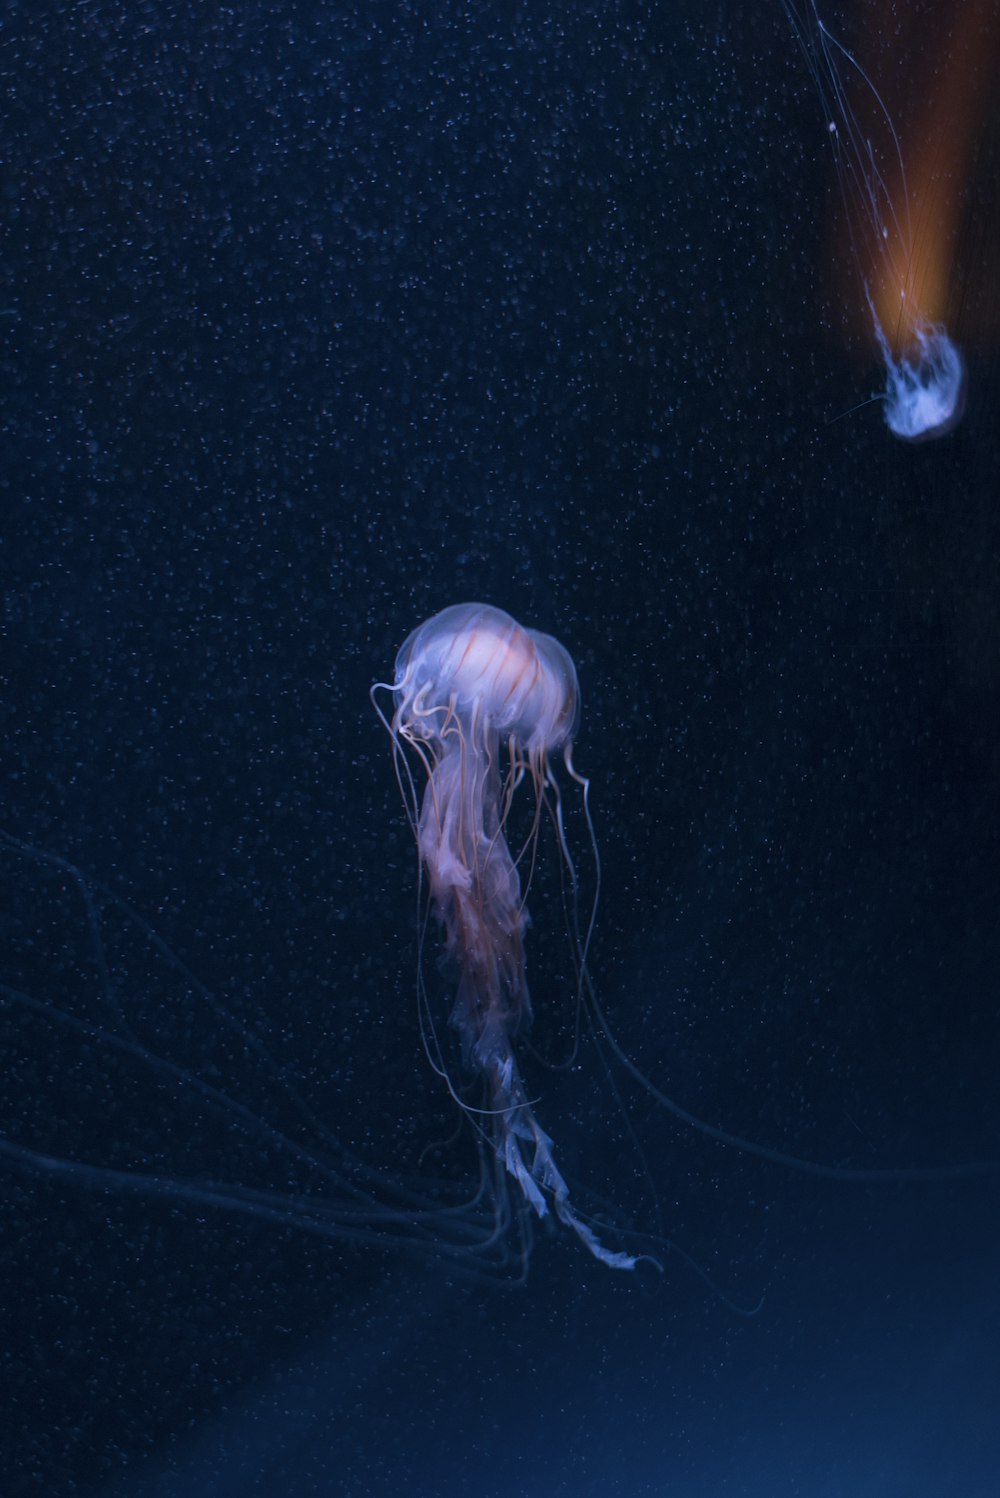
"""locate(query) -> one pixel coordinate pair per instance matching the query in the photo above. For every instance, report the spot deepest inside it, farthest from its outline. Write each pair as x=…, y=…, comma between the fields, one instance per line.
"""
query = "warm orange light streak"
x=912, y=275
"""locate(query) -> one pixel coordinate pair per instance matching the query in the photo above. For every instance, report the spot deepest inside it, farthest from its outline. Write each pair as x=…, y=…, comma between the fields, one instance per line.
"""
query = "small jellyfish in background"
x=484, y=704
x=906, y=277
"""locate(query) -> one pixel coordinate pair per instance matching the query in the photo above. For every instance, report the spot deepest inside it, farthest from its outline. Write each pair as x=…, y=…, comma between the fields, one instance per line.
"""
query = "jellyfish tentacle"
x=539, y=1178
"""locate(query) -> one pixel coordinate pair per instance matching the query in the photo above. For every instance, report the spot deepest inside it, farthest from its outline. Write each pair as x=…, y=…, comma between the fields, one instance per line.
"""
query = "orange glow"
x=912, y=275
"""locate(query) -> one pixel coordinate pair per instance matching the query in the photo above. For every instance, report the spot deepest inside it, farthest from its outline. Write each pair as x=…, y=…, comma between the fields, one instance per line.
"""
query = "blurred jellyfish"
x=905, y=281
x=484, y=703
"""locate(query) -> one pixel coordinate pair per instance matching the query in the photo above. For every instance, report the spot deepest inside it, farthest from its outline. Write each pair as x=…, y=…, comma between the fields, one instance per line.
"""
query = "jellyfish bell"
x=524, y=680
x=924, y=385
x=905, y=280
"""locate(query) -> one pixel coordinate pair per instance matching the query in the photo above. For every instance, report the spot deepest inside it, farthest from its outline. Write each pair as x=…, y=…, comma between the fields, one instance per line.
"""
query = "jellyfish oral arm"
x=477, y=897
x=521, y=1128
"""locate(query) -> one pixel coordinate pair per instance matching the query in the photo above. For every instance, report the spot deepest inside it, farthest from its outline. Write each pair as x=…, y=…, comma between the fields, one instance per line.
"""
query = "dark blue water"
x=317, y=319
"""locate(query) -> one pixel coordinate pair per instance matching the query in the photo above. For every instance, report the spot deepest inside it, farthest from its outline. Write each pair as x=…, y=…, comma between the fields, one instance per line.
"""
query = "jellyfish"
x=905, y=282
x=485, y=704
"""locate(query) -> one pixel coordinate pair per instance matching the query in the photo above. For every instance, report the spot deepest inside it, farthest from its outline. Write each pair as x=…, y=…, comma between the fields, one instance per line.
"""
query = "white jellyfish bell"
x=925, y=384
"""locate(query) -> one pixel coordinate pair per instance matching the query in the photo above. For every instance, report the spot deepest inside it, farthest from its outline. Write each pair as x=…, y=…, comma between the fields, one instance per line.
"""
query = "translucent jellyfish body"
x=484, y=704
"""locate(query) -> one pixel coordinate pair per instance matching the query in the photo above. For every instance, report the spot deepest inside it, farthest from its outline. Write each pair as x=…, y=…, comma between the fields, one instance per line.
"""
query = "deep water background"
x=314, y=320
